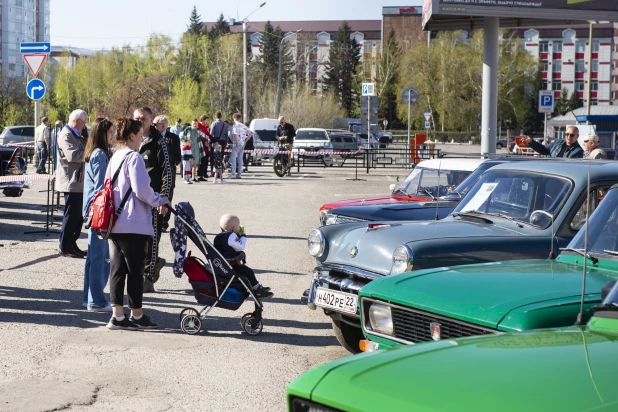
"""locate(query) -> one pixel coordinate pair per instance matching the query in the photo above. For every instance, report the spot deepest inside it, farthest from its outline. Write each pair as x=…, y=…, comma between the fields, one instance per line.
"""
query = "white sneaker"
x=106, y=308
x=188, y=182
x=214, y=182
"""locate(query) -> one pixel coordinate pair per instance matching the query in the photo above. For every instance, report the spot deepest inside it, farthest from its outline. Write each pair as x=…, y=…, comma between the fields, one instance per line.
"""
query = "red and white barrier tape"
x=28, y=145
x=272, y=151
x=24, y=178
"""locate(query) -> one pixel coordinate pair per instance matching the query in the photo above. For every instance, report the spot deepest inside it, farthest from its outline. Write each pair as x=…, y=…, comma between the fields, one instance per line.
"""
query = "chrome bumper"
x=356, y=279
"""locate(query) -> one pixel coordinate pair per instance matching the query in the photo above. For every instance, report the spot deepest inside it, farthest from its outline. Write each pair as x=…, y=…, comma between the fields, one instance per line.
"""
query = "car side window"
x=28, y=131
x=596, y=195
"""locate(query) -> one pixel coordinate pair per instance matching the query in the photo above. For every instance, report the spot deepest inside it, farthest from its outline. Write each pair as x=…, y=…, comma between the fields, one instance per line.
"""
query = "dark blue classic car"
x=523, y=210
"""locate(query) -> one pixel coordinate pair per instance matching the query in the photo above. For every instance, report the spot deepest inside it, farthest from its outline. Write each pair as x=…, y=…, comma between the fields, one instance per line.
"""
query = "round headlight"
x=330, y=219
x=380, y=319
x=316, y=243
x=402, y=260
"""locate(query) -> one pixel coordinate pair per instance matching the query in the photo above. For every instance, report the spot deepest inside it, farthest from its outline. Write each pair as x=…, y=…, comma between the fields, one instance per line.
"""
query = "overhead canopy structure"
x=490, y=15
x=470, y=14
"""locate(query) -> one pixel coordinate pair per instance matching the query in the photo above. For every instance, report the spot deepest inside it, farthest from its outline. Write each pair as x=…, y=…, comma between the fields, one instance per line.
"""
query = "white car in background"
x=308, y=144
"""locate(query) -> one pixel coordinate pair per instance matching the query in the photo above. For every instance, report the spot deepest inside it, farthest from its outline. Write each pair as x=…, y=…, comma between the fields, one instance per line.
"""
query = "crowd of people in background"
x=140, y=156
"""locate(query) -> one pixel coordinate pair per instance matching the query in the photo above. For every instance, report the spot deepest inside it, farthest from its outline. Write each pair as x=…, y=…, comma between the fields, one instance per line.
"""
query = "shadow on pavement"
x=266, y=271
x=35, y=261
x=62, y=308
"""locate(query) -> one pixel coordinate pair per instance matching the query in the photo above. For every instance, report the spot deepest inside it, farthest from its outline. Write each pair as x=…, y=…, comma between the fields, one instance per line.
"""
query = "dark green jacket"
x=157, y=160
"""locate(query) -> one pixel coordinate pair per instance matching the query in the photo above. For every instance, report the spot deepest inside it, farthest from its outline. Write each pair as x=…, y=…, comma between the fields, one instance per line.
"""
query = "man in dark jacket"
x=286, y=134
x=567, y=147
x=158, y=163
x=172, y=140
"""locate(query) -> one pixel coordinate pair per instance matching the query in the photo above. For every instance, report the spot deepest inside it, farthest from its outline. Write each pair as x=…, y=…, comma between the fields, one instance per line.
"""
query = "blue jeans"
x=96, y=272
x=236, y=160
x=42, y=152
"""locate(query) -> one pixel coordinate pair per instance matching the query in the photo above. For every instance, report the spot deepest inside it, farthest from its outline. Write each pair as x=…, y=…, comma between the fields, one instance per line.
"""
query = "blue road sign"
x=39, y=47
x=546, y=101
x=35, y=89
x=427, y=125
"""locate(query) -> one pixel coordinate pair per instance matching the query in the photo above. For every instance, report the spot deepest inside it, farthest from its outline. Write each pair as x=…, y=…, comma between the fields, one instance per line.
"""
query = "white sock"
x=138, y=317
x=119, y=318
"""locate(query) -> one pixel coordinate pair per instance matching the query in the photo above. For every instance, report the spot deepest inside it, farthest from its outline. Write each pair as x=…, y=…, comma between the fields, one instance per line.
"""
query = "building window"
x=367, y=47
x=580, y=46
x=595, y=65
x=594, y=102
x=557, y=66
x=596, y=45
x=594, y=86
x=579, y=85
x=543, y=47
x=557, y=47
x=580, y=66
x=367, y=69
x=544, y=85
x=557, y=85
x=545, y=66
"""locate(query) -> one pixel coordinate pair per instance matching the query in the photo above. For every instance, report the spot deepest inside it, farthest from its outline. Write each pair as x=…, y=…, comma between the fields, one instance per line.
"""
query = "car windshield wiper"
x=474, y=214
x=581, y=253
x=512, y=219
x=401, y=192
x=427, y=192
x=605, y=307
x=611, y=252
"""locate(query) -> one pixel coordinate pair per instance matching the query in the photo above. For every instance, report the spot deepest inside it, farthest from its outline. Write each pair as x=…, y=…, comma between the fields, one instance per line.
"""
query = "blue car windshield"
x=532, y=199
x=424, y=181
x=602, y=227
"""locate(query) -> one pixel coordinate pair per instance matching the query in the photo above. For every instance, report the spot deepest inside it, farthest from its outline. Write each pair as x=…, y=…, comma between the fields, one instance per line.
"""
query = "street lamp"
x=244, y=65
x=279, y=73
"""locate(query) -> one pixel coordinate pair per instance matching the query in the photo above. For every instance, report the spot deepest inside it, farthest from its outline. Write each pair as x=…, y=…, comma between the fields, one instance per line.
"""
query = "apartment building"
x=564, y=53
x=21, y=21
x=311, y=47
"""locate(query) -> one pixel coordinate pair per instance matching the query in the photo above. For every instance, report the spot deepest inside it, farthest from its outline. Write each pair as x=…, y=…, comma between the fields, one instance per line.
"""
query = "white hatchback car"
x=308, y=143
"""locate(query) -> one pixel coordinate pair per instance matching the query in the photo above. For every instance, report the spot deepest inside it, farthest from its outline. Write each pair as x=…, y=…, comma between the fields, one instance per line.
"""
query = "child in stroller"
x=231, y=244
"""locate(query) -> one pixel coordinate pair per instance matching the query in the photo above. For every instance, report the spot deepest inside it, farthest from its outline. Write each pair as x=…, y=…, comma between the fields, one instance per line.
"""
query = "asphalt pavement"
x=54, y=355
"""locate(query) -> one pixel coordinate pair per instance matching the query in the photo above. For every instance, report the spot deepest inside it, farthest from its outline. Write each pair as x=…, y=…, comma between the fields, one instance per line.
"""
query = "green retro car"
x=570, y=369
x=491, y=298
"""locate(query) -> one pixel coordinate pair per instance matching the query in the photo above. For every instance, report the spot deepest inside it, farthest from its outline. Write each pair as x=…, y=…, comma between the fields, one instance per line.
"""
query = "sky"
x=104, y=24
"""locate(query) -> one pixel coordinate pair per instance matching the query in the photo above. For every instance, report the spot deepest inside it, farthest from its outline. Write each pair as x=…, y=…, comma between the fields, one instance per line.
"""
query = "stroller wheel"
x=252, y=330
x=191, y=324
x=244, y=319
x=188, y=311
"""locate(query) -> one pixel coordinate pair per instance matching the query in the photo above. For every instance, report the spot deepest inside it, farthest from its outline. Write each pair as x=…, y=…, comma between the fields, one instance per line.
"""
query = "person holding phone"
x=567, y=147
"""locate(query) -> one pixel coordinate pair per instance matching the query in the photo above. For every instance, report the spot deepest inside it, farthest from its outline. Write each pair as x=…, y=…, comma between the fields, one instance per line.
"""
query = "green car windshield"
x=602, y=228
x=431, y=182
x=532, y=199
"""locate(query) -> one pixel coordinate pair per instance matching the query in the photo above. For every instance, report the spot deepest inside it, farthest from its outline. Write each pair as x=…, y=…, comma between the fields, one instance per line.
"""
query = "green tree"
x=342, y=68
x=562, y=103
x=387, y=80
x=221, y=28
x=533, y=121
x=195, y=22
x=269, y=57
x=575, y=102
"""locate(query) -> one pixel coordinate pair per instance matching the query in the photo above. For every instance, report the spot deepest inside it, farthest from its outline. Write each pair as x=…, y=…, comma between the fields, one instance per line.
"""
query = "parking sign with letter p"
x=546, y=101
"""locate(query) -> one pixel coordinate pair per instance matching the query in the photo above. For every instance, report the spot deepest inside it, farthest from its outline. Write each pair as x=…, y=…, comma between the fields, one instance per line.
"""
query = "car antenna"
x=580, y=315
x=438, y=191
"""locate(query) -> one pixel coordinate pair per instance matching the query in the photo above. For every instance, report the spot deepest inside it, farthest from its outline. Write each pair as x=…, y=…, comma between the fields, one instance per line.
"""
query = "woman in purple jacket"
x=128, y=241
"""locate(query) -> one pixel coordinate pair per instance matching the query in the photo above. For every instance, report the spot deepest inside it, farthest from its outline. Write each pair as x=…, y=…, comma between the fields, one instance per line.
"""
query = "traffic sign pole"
x=409, y=113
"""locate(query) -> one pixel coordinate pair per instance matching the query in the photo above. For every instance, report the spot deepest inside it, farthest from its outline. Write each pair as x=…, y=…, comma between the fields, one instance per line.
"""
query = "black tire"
x=278, y=166
x=347, y=335
x=12, y=191
x=499, y=146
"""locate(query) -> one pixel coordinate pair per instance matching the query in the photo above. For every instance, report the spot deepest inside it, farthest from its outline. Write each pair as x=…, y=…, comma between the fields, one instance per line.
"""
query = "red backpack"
x=101, y=214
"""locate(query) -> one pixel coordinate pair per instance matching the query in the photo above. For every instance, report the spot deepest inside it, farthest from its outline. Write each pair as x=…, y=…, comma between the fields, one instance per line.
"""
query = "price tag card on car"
x=335, y=300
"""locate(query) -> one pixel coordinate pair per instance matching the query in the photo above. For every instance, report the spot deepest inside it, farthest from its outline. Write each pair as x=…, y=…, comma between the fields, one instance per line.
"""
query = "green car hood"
x=484, y=294
x=558, y=370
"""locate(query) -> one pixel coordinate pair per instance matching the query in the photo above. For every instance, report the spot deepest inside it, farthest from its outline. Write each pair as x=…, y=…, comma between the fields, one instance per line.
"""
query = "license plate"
x=335, y=300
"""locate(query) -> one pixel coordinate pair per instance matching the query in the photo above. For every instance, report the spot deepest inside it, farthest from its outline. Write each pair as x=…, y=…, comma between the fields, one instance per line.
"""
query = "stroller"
x=214, y=282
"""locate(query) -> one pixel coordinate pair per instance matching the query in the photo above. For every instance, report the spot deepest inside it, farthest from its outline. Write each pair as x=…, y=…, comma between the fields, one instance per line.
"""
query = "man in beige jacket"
x=70, y=181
